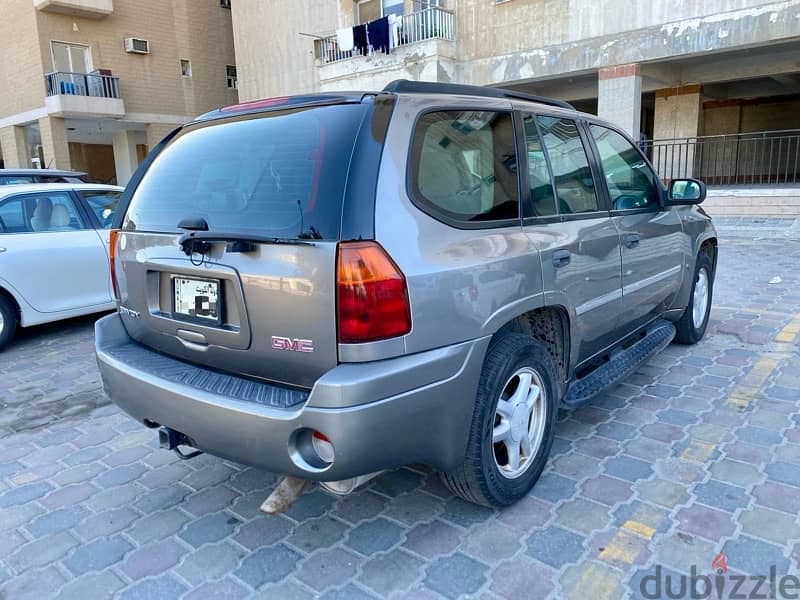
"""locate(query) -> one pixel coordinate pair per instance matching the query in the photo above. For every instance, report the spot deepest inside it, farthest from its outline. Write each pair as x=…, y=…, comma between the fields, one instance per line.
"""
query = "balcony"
x=90, y=95
x=89, y=9
x=426, y=49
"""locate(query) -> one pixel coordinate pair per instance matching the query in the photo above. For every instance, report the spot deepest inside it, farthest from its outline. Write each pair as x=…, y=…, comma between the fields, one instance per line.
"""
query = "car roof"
x=23, y=188
x=400, y=87
x=50, y=172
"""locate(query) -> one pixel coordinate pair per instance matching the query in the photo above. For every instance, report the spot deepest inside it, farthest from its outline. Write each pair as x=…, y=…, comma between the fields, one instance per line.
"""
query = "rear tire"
x=693, y=323
x=8, y=320
x=519, y=372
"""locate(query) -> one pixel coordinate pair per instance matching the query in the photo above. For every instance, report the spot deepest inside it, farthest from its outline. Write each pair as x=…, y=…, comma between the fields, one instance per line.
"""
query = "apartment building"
x=716, y=83
x=92, y=84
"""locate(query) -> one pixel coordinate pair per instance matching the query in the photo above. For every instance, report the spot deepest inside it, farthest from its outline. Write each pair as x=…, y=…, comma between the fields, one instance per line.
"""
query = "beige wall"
x=273, y=58
x=21, y=66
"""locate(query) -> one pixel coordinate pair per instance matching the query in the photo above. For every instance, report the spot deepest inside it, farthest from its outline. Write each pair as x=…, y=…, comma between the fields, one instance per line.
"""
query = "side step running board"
x=621, y=366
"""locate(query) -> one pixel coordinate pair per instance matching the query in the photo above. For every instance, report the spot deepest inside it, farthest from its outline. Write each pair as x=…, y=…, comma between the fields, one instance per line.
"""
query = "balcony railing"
x=428, y=24
x=82, y=84
x=760, y=158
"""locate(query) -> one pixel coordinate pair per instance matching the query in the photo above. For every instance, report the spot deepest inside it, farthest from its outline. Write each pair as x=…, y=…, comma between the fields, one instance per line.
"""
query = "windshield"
x=276, y=174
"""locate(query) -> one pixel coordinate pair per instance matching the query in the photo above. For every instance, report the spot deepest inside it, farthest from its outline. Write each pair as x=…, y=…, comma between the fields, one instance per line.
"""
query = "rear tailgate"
x=265, y=308
x=275, y=304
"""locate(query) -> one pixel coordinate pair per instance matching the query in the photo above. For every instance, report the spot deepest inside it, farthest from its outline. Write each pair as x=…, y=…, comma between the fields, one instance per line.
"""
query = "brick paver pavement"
x=697, y=453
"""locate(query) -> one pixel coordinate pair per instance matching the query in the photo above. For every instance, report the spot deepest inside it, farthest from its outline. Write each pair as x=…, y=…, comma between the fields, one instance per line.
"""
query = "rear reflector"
x=112, y=263
x=371, y=295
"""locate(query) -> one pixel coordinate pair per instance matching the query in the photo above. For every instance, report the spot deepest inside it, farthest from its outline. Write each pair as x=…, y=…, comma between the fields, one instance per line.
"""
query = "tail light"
x=371, y=294
x=112, y=263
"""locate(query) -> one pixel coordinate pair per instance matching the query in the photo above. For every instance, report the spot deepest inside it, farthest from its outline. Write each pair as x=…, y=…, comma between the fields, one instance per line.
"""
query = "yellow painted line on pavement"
x=595, y=582
x=789, y=333
x=698, y=451
x=623, y=547
x=640, y=528
x=743, y=394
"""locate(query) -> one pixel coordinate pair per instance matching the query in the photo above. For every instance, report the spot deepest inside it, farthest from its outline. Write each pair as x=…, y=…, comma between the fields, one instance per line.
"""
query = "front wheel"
x=692, y=326
x=513, y=424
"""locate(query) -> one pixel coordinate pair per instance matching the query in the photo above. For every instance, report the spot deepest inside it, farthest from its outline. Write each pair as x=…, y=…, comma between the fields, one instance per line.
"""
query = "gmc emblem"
x=293, y=345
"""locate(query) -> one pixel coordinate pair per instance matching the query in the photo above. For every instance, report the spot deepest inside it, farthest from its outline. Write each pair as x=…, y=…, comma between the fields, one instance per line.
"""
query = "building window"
x=186, y=68
x=225, y=3
x=230, y=71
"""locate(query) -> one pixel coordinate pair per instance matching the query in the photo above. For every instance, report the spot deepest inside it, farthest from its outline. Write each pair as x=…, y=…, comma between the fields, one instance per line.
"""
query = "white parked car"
x=54, y=252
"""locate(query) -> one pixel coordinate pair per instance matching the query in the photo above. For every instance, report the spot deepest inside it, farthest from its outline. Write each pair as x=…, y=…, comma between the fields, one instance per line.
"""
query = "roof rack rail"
x=400, y=86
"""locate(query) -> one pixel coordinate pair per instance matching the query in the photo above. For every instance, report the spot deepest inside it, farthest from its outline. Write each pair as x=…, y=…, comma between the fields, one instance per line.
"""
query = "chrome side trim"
x=643, y=283
x=598, y=302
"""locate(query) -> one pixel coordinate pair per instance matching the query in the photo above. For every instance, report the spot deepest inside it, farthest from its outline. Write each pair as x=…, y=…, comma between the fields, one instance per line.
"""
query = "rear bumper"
x=378, y=415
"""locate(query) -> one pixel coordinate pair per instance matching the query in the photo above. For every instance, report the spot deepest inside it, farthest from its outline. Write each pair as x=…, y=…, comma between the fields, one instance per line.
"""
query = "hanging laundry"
x=378, y=35
x=360, y=39
x=344, y=37
x=394, y=31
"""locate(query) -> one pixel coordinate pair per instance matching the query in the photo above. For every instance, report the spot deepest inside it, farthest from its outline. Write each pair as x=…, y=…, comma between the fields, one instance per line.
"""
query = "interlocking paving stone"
x=34, y=584
x=784, y=473
x=607, y=490
x=736, y=473
x=522, y=578
x=775, y=495
x=264, y=531
x=582, y=515
x=360, y=507
x=749, y=555
x=57, y=520
x=97, y=555
x=210, y=562
x=705, y=522
x=491, y=542
x=310, y=505
x=413, y=508
x=553, y=487
x=92, y=585
x=464, y=513
x=721, y=495
x=24, y=494
x=165, y=587
x=393, y=571
x=227, y=589
x=317, y=533
x=555, y=546
x=433, y=539
x=373, y=536
x=41, y=552
x=153, y=559
x=210, y=528
x=328, y=568
x=267, y=565
x=628, y=468
x=158, y=525
x=769, y=524
x=106, y=523
x=455, y=575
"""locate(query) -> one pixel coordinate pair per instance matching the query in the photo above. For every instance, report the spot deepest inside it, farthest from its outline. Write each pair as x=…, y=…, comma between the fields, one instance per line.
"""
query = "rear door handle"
x=561, y=258
x=631, y=240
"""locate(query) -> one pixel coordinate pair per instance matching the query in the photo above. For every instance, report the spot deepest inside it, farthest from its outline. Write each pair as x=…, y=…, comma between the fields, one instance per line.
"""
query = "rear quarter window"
x=464, y=166
x=272, y=174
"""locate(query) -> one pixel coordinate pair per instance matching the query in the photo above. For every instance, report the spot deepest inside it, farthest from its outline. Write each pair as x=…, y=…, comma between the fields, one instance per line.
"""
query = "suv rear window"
x=464, y=165
x=274, y=174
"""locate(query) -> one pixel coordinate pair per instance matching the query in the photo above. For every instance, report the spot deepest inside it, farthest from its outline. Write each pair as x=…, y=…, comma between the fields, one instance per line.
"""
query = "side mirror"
x=686, y=191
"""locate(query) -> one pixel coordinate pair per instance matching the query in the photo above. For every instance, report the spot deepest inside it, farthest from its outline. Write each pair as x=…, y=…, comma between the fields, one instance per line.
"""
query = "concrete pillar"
x=678, y=116
x=126, y=159
x=54, y=143
x=156, y=132
x=619, y=97
x=14, y=147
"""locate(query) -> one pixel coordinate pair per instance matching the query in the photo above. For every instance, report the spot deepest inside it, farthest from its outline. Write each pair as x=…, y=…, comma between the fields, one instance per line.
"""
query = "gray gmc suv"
x=328, y=286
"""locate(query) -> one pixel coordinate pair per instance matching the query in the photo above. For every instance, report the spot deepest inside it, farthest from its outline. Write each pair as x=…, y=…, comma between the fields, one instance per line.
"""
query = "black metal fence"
x=760, y=158
x=82, y=84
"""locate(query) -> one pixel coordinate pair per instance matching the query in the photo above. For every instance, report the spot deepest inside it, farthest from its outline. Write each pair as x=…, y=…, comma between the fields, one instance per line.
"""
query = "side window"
x=464, y=165
x=12, y=215
x=53, y=211
x=571, y=172
x=631, y=182
x=103, y=204
x=542, y=197
x=15, y=179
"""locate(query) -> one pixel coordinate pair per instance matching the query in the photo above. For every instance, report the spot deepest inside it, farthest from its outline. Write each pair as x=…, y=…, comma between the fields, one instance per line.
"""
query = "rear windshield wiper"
x=200, y=241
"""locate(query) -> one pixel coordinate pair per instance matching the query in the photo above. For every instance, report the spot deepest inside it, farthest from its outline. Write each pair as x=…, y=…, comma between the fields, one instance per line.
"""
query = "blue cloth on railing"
x=360, y=39
x=67, y=87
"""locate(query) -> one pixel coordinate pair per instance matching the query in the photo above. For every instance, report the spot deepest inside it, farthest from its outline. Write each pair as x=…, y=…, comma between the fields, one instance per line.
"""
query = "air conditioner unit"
x=137, y=46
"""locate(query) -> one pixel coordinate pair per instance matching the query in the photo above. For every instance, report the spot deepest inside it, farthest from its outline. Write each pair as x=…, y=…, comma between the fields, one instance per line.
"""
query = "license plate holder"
x=196, y=300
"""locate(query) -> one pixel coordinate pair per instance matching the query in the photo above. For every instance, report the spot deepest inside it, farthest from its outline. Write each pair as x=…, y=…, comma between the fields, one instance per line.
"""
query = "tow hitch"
x=170, y=439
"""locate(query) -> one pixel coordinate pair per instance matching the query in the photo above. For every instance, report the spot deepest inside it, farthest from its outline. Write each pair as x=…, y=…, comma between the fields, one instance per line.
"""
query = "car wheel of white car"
x=8, y=320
